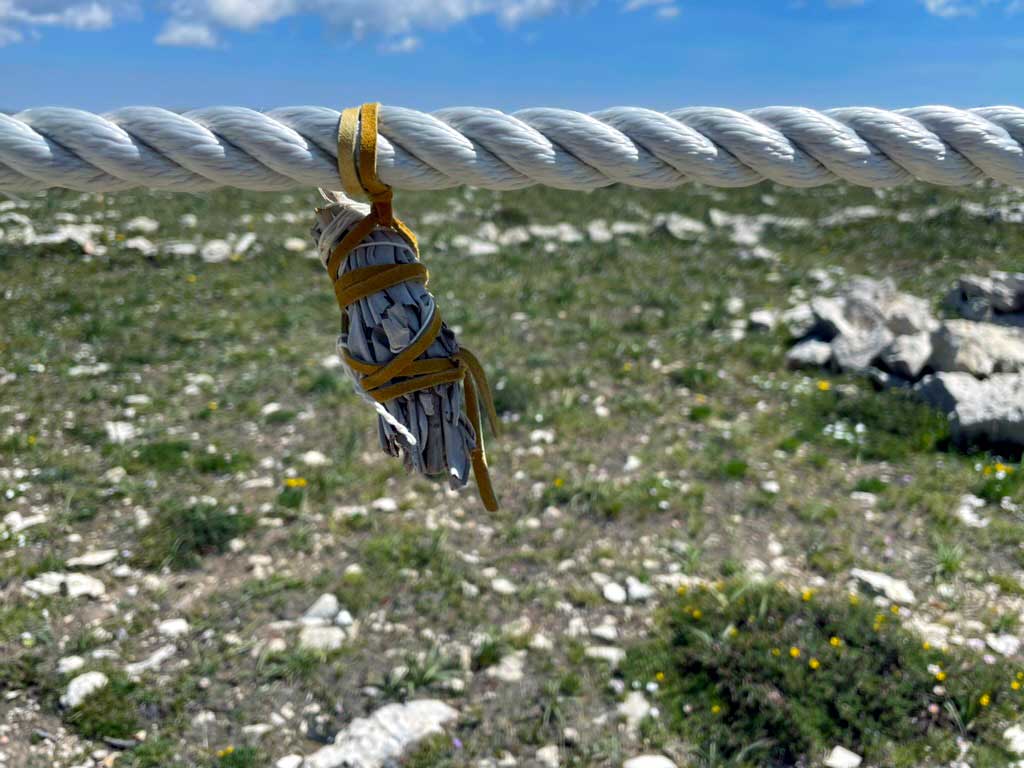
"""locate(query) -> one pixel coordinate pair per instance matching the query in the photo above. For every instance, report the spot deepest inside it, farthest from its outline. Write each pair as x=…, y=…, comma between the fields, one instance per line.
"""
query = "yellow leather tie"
x=406, y=372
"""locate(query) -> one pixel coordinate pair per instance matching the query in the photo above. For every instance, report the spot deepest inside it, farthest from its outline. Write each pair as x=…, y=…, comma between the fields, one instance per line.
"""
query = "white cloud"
x=188, y=34
x=668, y=12
x=94, y=14
x=9, y=36
x=636, y=5
x=948, y=8
x=406, y=44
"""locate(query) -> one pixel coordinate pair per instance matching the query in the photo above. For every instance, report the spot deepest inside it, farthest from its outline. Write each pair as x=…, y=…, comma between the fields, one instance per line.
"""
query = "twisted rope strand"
x=297, y=147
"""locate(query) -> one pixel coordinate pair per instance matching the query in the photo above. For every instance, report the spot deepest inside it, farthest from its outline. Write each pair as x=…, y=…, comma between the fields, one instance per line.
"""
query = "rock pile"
x=971, y=367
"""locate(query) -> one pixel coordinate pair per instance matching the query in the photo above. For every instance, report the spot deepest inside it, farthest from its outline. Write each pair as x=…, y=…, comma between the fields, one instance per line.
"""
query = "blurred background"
x=760, y=472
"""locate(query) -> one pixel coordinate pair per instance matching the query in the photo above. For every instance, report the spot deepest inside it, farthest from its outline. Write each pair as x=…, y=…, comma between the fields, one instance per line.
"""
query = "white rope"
x=296, y=147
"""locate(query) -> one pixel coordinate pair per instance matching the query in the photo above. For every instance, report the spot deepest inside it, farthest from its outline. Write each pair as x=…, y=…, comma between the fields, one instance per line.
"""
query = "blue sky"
x=509, y=54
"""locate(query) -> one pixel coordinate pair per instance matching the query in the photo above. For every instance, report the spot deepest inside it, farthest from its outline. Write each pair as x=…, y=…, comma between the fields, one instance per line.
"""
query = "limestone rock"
x=649, y=761
x=906, y=356
x=71, y=584
x=82, y=687
x=841, y=757
x=811, y=353
x=989, y=410
x=894, y=589
x=371, y=742
x=93, y=559
x=316, y=638
x=978, y=348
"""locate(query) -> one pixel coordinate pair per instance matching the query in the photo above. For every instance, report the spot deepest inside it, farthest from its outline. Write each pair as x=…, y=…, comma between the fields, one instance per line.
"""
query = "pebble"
x=637, y=590
x=322, y=638
x=609, y=653
x=289, y=761
x=173, y=628
x=503, y=586
x=81, y=687
x=70, y=664
x=649, y=761
x=841, y=757
x=326, y=607
x=614, y=593
x=510, y=669
x=73, y=584
x=634, y=708
x=93, y=559
x=548, y=756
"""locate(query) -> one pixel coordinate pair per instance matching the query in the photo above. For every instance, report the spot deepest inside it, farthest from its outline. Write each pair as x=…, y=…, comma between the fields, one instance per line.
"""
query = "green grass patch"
x=769, y=678
x=181, y=535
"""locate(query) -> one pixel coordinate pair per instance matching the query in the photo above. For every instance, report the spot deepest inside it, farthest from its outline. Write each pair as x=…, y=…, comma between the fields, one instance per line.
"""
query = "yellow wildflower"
x=32, y=440
x=895, y=610
x=813, y=663
x=559, y=482
x=191, y=278
x=660, y=677
x=1015, y=685
x=715, y=709
x=806, y=595
x=835, y=642
x=627, y=367
x=212, y=405
x=854, y=599
x=926, y=645
x=696, y=613
x=940, y=676
x=824, y=386
x=681, y=590
x=776, y=652
x=295, y=482
x=225, y=752
x=985, y=700
x=794, y=652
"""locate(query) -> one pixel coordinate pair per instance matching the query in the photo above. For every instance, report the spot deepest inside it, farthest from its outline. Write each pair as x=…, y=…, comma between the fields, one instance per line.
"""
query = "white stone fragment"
x=81, y=687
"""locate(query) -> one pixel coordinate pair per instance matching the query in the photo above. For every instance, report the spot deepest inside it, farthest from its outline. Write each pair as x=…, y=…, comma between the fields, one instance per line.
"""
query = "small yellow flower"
x=696, y=613
x=295, y=482
x=559, y=482
x=835, y=642
x=940, y=676
x=191, y=278
x=1015, y=685
x=681, y=590
x=212, y=405
x=926, y=645
x=854, y=599
x=824, y=386
x=715, y=709
x=627, y=367
x=813, y=663
x=806, y=595
x=895, y=609
x=225, y=752
x=985, y=700
x=733, y=632
x=1020, y=675
x=660, y=677
x=32, y=440
x=794, y=652
x=776, y=652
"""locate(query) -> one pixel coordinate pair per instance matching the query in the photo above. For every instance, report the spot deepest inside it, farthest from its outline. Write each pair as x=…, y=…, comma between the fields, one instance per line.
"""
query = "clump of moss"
x=180, y=535
x=766, y=677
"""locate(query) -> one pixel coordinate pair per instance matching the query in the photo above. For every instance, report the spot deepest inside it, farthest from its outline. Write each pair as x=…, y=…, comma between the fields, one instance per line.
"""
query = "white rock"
x=811, y=353
x=1014, y=736
x=140, y=244
x=894, y=589
x=326, y=607
x=296, y=245
x=173, y=628
x=1006, y=645
x=979, y=410
x=649, y=761
x=634, y=709
x=72, y=584
x=153, y=661
x=841, y=757
x=967, y=511
x=503, y=586
x=114, y=475
x=614, y=593
x=548, y=756
x=119, y=432
x=289, y=761
x=609, y=653
x=763, y=320
x=385, y=504
x=679, y=226
x=215, y=251
x=142, y=224
x=978, y=348
x=16, y=522
x=638, y=591
x=906, y=356
x=70, y=664
x=315, y=459
x=93, y=559
x=322, y=638
x=510, y=669
x=344, y=618
x=81, y=687
x=370, y=742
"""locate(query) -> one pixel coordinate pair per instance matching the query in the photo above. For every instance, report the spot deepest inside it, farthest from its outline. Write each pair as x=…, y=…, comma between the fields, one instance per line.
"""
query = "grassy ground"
x=642, y=440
